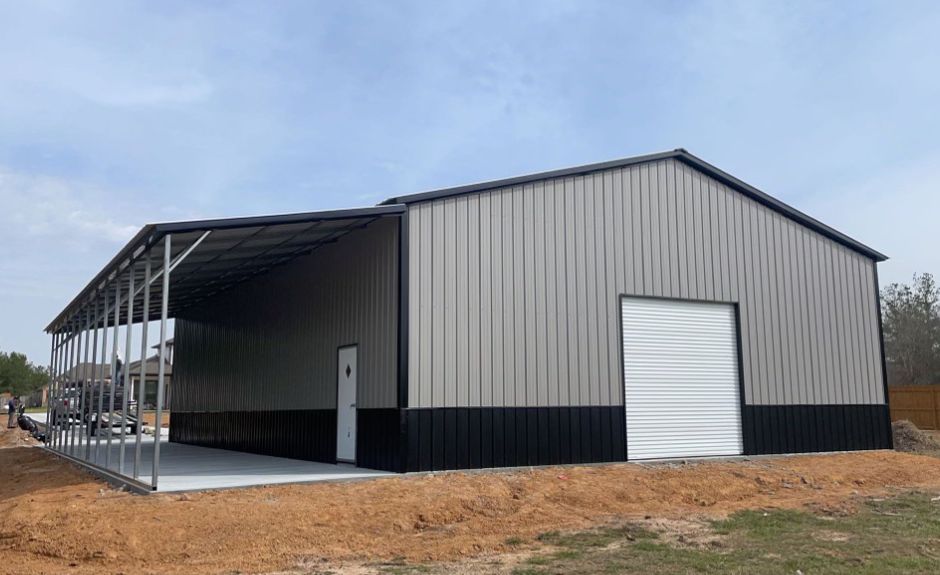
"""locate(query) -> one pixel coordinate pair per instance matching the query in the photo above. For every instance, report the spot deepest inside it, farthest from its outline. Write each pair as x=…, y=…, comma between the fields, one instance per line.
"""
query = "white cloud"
x=55, y=234
x=47, y=206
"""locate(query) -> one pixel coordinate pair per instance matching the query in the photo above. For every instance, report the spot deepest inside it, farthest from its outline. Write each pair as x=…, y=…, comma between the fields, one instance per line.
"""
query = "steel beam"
x=70, y=364
x=128, y=340
x=52, y=368
x=91, y=386
x=64, y=437
x=75, y=405
x=63, y=382
x=83, y=401
x=104, y=355
x=114, y=350
x=176, y=261
x=164, y=306
x=63, y=344
x=179, y=259
x=73, y=400
x=57, y=383
x=145, y=319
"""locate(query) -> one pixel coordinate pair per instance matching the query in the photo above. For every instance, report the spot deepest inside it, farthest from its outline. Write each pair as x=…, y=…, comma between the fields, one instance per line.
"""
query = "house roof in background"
x=153, y=366
x=169, y=343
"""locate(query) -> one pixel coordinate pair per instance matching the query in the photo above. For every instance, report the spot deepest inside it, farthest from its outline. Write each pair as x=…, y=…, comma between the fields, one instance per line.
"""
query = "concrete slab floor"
x=193, y=468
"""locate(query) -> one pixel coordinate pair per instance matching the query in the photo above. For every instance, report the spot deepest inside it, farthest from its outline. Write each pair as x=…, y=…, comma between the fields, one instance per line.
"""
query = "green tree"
x=911, y=320
x=19, y=376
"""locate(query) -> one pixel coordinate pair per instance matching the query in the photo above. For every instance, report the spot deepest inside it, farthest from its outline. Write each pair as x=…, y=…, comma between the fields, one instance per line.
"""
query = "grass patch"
x=404, y=569
x=897, y=535
x=596, y=537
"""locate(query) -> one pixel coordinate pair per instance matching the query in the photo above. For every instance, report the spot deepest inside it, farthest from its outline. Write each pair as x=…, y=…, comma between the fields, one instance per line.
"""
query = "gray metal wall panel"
x=270, y=343
x=554, y=256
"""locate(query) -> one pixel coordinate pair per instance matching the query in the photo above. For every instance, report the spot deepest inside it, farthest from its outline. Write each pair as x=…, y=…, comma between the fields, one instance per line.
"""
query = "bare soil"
x=59, y=519
x=15, y=437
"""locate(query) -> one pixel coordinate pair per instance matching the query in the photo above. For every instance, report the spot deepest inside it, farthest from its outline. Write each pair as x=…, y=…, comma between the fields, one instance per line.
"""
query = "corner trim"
x=742, y=401
x=403, y=311
x=884, y=360
x=623, y=376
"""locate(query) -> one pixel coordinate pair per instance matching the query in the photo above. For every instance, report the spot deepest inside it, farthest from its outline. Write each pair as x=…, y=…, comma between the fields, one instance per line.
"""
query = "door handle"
x=352, y=405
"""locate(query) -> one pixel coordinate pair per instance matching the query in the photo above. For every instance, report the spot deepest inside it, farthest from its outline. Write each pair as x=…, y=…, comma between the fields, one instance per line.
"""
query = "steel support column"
x=60, y=366
x=64, y=390
x=64, y=431
x=63, y=344
x=114, y=358
x=70, y=364
x=73, y=395
x=128, y=340
x=73, y=385
x=52, y=368
x=53, y=383
x=104, y=355
x=164, y=308
x=81, y=403
x=145, y=319
x=91, y=385
x=81, y=372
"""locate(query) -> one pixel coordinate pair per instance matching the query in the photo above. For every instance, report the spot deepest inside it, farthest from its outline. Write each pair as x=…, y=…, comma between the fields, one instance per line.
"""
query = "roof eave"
x=150, y=234
x=680, y=154
x=527, y=178
x=143, y=237
x=779, y=206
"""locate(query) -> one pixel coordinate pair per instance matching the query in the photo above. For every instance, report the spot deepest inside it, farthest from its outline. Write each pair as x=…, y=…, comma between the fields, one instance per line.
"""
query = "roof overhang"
x=679, y=154
x=212, y=256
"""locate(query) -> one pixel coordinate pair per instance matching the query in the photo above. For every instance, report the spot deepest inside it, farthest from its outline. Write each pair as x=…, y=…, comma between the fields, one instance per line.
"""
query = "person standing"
x=11, y=413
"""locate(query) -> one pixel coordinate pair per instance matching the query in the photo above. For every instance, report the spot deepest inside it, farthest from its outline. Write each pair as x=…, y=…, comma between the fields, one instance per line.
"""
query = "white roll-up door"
x=681, y=378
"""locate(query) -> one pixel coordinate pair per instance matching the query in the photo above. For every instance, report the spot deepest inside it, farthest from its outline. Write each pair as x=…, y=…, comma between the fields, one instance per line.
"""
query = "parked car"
x=71, y=407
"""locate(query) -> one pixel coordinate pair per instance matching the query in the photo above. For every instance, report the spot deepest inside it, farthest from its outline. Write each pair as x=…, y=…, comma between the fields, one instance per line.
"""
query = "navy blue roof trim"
x=150, y=234
x=679, y=154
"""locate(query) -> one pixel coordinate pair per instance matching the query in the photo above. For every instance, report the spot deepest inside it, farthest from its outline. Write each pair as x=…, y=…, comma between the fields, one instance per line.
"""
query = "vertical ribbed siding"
x=553, y=257
x=270, y=344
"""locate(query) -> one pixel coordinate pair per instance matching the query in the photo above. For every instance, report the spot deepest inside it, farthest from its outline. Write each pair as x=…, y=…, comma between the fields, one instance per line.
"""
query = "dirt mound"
x=15, y=437
x=59, y=519
x=910, y=439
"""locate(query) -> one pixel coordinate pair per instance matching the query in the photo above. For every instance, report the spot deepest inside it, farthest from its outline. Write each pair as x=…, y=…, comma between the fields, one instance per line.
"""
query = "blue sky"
x=117, y=114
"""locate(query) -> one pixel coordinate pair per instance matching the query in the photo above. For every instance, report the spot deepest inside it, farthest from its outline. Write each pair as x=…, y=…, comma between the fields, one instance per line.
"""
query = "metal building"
x=652, y=307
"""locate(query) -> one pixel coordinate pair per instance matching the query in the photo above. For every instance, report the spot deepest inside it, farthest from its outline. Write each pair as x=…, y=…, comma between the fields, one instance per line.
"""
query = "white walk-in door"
x=346, y=404
x=680, y=369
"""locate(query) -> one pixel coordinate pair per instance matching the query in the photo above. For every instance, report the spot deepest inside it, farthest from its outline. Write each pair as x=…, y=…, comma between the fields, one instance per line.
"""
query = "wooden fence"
x=918, y=403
